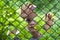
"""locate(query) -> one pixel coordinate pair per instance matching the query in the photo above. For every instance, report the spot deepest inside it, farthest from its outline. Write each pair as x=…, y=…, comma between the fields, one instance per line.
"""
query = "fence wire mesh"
x=14, y=27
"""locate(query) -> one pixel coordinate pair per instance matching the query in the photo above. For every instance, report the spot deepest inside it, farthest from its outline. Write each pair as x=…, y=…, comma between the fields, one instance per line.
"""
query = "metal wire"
x=14, y=27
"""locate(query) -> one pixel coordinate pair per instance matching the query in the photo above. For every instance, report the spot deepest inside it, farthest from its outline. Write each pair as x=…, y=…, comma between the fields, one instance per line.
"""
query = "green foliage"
x=10, y=19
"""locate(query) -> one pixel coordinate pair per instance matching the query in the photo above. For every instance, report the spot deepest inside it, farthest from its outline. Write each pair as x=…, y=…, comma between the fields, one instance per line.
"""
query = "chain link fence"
x=14, y=27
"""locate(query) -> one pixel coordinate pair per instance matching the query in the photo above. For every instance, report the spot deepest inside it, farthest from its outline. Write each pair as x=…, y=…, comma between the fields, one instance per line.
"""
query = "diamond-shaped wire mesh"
x=14, y=27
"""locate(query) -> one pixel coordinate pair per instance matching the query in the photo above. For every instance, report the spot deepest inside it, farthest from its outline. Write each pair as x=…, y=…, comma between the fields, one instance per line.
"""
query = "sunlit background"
x=10, y=19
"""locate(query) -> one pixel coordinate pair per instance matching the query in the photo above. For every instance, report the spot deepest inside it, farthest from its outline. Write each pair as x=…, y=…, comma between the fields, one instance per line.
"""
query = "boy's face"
x=32, y=7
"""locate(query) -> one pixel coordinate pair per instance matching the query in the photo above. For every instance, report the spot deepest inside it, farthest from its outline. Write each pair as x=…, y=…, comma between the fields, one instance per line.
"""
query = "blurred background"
x=10, y=19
